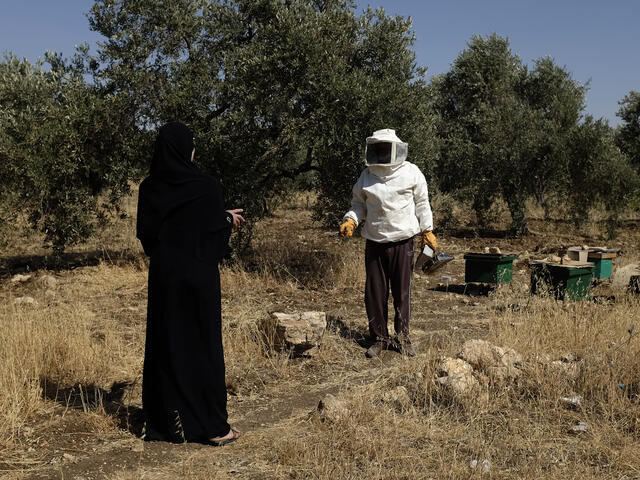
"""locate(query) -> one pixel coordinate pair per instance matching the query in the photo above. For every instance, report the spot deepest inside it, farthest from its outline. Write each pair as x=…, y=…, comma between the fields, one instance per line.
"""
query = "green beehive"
x=488, y=267
x=564, y=282
x=602, y=263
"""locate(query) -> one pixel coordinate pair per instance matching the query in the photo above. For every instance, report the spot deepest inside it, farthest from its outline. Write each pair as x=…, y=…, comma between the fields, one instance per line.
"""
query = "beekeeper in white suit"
x=392, y=200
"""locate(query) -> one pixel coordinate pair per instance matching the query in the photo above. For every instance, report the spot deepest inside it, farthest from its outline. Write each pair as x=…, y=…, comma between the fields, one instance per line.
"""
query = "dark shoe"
x=376, y=349
x=405, y=347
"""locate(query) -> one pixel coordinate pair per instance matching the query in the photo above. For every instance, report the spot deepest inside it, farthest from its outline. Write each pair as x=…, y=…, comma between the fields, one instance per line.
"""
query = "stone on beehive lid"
x=483, y=355
x=296, y=331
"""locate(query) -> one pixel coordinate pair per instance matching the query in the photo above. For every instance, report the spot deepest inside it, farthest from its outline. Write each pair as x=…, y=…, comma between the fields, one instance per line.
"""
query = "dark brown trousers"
x=388, y=265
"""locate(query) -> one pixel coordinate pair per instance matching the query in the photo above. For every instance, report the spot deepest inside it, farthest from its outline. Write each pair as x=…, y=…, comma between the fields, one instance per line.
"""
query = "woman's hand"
x=237, y=218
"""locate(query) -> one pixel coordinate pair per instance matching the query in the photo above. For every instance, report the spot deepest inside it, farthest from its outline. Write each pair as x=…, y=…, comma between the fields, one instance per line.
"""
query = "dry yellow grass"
x=87, y=336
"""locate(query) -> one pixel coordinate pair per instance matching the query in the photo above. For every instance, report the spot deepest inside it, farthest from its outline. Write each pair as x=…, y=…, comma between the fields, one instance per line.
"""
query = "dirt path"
x=441, y=314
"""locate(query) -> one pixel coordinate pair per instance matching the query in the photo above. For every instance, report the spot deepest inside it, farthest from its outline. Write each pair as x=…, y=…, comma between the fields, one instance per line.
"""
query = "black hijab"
x=174, y=183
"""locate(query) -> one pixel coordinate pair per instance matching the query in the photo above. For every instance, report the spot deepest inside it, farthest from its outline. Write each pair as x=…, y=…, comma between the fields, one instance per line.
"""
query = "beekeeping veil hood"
x=384, y=148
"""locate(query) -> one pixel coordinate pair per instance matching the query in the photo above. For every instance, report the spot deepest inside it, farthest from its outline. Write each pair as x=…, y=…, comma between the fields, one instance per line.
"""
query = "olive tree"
x=273, y=89
x=511, y=132
x=63, y=144
x=628, y=134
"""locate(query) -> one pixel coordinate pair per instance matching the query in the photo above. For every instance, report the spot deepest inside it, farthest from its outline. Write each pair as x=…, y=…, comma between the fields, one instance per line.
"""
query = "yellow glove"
x=428, y=238
x=347, y=228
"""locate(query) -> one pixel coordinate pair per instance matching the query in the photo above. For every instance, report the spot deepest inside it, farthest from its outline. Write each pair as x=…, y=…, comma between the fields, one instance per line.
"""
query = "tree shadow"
x=468, y=289
x=468, y=232
x=338, y=326
x=67, y=261
x=92, y=397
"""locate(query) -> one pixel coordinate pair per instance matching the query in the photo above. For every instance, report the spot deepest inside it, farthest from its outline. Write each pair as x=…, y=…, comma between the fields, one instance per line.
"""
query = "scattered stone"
x=568, y=357
x=397, y=398
x=483, y=354
x=48, y=281
x=503, y=374
x=457, y=375
x=332, y=409
x=579, y=428
x=24, y=301
x=554, y=259
x=622, y=275
x=69, y=458
x=541, y=358
x=485, y=465
x=571, y=370
x=574, y=401
x=21, y=278
x=299, y=332
x=138, y=446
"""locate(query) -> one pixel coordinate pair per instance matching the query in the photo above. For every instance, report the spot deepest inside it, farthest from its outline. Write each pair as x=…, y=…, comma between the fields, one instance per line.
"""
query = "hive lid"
x=556, y=264
x=490, y=255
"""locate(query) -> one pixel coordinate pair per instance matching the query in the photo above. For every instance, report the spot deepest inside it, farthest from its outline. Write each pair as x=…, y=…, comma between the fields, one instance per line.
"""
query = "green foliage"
x=600, y=173
x=63, y=143
x=281, y=94
x=273, y=89
x=487, y=139
x=628, y=135
x=510, y=132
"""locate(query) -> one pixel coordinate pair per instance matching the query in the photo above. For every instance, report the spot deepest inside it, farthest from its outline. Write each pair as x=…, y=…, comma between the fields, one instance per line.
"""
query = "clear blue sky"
x=595, y=40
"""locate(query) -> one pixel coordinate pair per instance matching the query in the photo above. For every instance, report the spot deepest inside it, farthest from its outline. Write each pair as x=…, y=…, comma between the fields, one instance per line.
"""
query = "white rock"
x=21, y=278
x=48, y=281
x=503, y=374
x=485, y=465
x=332, y=409
x=398, y=398
x=69, y=458
x=622, y=275
x=457, y=375
x=482, y=355
x=299, y=332
x=579, y=428
x=575, y=401
x=25, y=301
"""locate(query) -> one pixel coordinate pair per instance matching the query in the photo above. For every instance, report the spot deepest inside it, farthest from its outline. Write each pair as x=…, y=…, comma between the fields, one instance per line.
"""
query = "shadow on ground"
x=67, y=261
x=337, y=325
x=470, y=289
x=92, y=397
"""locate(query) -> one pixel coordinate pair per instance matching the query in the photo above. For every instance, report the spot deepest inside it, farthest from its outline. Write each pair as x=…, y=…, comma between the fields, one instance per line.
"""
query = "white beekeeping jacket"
x=393, y=201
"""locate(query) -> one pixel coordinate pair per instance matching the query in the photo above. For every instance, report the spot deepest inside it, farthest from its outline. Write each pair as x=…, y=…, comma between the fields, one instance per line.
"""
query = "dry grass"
x=87, y=336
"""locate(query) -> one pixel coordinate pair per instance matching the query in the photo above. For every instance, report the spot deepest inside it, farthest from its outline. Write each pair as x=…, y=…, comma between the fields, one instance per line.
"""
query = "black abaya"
x=184, y=229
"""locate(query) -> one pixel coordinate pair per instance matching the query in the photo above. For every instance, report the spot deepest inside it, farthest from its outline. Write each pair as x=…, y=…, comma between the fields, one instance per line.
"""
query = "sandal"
x=224, y=441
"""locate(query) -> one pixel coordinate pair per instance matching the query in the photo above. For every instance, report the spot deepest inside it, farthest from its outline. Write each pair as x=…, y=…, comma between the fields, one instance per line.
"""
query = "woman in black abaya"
x=184, y=229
